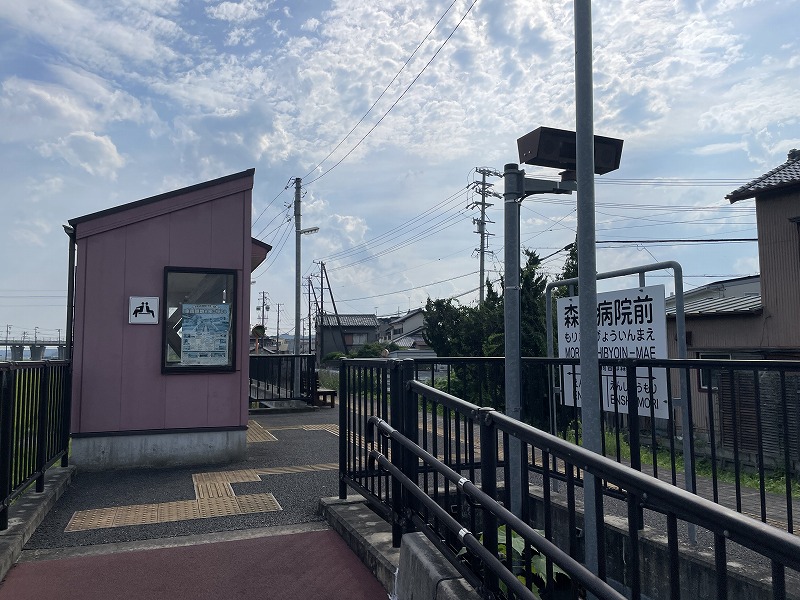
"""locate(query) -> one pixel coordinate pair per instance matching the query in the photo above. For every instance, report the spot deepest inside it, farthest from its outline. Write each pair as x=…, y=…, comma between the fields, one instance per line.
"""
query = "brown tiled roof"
x=786, y=175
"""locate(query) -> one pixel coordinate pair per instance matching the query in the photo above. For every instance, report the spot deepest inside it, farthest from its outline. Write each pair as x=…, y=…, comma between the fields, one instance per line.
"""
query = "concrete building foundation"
x=168, y=449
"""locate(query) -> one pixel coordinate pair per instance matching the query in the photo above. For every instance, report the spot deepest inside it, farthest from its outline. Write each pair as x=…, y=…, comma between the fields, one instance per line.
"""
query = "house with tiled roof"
x=344, y=333
x=755, y=316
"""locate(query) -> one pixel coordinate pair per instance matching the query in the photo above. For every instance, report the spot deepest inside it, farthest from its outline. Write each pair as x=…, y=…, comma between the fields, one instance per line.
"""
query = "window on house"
x=710, y=376
x=359, y=339
x=199, y=320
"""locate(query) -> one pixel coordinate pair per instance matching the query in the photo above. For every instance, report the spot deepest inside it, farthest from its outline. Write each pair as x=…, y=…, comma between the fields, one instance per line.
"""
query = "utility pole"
x=278, y=330
x=309, y=314
x=484, y=189
x=297, y=279
x=321, y=312
x=264, y=308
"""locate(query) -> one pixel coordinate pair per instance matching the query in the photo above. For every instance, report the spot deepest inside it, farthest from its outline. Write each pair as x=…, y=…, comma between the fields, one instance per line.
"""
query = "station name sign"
x=630, y=324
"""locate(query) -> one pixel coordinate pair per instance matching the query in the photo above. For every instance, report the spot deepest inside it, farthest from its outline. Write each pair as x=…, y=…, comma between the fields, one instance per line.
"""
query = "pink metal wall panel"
x=77, y=336
x=186, y=403
x=190, y=237
x=143, y=388
x=225, y=399
x=105, y=316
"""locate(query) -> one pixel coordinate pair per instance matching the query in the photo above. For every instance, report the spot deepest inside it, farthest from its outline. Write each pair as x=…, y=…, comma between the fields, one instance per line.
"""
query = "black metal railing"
x=273, y=377
x=34, y=425
x=388, y=396
x=741, y=448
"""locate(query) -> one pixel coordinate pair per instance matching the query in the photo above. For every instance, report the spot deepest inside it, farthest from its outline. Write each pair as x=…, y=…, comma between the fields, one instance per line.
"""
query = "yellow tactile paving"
x=137, y=514
x=182, y=510
x=255, y=503
x=256, y=433
x=96, y=518
x=329, y=427
x=298, y=469
x=213, y=489
x=240, y=476
x=218, y=507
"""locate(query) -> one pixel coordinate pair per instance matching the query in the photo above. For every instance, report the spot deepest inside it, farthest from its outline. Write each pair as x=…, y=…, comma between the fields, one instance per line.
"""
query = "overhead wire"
x=400, y=97
x=383, y=93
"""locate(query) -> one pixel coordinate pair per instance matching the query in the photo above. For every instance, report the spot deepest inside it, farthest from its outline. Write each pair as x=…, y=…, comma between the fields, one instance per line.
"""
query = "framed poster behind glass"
x=199, y=317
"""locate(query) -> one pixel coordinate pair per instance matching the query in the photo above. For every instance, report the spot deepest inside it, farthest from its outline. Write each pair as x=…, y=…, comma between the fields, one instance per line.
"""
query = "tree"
x=443, y=321
x=258, y=333
x=455, y=330
x=533, y=332
x=569, y=271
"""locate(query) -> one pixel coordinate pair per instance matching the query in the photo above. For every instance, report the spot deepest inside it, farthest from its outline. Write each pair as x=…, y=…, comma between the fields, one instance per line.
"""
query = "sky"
x=385, y=109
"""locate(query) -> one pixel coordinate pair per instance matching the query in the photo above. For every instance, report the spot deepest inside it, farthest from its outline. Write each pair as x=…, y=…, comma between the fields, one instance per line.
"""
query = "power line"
x=413, y=81
x=386, y=89
x=364, y=246
x=681, y=241
x=419, y=287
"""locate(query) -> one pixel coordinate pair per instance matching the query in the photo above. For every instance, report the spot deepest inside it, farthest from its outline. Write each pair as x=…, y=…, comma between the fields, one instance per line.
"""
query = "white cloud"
x=45, y=188
x=32, y=232
x=240, y=35
x=721, y=148
x=239, y=12
x=105, y=37
x=310, y=25
x=97, y=155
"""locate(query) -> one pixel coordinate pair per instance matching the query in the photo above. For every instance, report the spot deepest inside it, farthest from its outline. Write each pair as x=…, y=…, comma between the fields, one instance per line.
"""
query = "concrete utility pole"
x=278, y=329
x=483, y=188
x=297, y=278
x=264, y=309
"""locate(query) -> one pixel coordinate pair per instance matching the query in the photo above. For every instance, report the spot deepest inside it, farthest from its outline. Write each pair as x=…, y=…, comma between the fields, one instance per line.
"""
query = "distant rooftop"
x=350, y=321
x=731, y=305
x=784, y=176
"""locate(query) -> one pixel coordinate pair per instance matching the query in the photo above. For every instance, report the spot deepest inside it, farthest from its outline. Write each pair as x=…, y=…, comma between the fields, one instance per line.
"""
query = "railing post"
x=345, y=435
x=633, y=426
x=410, y=412
x=66, y=422
x=6, y=432
x=488, y=440
x=41, y=433
x=395, y=420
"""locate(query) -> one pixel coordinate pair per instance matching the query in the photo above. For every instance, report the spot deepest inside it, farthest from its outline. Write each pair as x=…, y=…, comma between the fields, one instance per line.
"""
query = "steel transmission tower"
x=484, y=189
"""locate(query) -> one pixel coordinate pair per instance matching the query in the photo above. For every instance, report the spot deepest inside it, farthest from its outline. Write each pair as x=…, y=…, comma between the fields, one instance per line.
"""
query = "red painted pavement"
x=314, y=565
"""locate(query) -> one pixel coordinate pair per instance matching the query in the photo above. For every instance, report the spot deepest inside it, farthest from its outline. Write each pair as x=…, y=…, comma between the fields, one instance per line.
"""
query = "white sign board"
x=143, y=310
x=630, y=324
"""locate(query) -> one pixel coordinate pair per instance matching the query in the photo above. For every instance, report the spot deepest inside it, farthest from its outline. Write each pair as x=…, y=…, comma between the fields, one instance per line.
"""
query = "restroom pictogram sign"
x=143, y=310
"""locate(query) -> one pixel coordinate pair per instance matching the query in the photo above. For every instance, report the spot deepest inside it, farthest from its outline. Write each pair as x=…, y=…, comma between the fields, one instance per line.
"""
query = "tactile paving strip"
x=182, y=510
x=256, y=433
x=297, y=469
x=329, y=427
x=214, y=497
x=96, y=518
x=256, y=503
x=218, y=507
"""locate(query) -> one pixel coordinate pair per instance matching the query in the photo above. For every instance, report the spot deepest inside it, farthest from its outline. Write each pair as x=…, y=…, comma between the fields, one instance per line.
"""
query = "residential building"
x=344, y=333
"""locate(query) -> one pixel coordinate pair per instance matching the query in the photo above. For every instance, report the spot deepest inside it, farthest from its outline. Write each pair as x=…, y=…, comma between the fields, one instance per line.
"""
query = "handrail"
x=572, y=567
